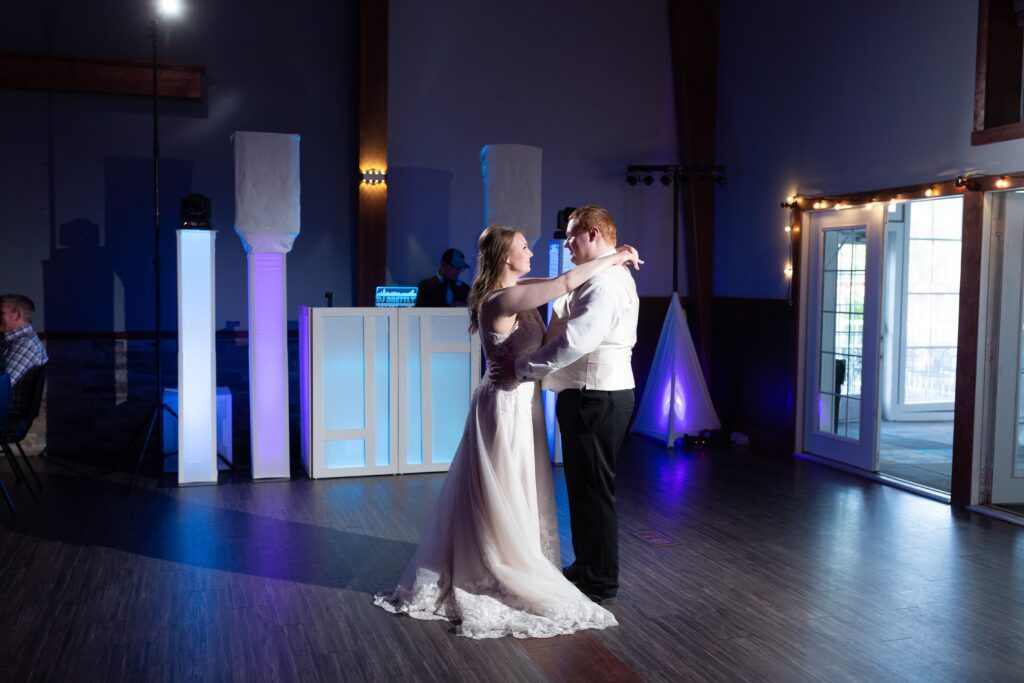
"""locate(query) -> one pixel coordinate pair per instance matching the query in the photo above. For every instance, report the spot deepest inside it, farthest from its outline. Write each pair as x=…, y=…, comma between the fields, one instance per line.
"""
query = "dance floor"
x=783, y=570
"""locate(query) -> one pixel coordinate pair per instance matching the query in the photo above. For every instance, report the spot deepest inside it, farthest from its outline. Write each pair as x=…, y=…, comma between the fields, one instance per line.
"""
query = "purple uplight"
x=268, y=365
x=675, y=400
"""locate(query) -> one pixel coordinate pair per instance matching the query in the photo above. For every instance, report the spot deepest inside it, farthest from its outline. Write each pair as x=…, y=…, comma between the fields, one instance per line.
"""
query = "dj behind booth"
x=444, y=288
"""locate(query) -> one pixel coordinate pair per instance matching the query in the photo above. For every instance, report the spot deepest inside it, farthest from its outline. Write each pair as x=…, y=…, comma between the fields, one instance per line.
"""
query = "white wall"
x=589, y=83
x=829, y=97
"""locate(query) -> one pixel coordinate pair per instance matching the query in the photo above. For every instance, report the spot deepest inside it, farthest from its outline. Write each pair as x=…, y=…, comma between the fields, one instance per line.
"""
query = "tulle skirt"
x=489, y=558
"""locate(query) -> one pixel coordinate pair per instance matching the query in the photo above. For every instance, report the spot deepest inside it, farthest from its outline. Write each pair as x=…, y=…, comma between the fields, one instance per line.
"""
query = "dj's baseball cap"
x=454, y=257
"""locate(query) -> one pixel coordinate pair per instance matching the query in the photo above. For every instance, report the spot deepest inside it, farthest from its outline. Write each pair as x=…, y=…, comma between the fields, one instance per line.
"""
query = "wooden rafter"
x=107, y=77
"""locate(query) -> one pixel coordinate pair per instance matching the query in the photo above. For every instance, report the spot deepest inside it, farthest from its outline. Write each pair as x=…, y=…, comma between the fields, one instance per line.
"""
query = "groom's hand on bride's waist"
x=503, y=370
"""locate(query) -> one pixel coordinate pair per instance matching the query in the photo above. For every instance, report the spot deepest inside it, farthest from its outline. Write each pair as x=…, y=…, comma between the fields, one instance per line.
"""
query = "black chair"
x=5, y=401
x=26, y=401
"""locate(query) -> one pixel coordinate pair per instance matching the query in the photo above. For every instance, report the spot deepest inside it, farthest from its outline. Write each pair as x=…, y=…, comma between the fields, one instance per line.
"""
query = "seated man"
x=21, y=347
x=444, y=288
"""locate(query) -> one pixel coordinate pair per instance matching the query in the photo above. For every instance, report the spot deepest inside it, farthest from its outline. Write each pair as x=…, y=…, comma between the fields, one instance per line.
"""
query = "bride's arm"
x=531, y=293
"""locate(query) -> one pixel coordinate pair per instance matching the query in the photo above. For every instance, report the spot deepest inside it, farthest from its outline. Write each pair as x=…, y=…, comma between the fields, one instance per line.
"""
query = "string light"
x=930, y=192
x=790, y=229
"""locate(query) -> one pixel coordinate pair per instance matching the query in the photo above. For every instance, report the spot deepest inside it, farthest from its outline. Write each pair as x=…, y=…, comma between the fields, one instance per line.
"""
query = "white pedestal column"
x=197, y=359
x=268, y=366
x=267, y=219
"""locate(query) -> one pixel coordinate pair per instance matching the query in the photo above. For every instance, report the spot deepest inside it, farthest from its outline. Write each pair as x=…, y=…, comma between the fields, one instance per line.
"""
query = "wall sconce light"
x=373, y=176
x=1002, y=183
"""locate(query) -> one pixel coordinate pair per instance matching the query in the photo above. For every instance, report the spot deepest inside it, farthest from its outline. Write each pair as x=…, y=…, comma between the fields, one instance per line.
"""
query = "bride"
x=489, y=559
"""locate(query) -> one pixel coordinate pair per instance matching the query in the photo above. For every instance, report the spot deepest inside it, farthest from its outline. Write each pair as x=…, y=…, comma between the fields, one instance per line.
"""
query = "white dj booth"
x=384, y=390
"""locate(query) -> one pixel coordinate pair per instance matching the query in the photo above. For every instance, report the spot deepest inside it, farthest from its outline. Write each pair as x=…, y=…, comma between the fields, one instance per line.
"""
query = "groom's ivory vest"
x=589, y=342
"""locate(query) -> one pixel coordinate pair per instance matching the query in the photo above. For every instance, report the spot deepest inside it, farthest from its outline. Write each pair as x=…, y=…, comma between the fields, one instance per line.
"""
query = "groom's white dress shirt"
x=590, y=339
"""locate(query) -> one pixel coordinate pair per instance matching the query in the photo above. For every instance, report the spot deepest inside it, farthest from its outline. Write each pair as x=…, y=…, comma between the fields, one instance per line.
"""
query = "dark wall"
x=76, y=198
x=751, y=369
x=590, y=83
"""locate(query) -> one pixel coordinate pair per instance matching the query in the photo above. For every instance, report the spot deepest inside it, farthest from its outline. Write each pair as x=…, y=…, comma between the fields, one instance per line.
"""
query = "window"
x=932, y=302
x=997, y=86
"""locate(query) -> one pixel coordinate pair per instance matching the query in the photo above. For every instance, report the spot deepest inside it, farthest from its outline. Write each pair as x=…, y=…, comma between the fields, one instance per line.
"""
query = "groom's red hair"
x=591, y=216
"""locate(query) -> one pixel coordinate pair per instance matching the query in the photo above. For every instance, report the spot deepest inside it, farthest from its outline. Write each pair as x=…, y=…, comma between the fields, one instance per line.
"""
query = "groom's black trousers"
x=593, y=425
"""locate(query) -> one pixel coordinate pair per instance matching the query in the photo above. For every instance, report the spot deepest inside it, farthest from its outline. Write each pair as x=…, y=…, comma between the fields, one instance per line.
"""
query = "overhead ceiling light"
x=169, y=8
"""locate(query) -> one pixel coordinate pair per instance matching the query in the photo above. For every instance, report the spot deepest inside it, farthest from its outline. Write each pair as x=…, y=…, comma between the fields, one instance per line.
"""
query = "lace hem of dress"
x=485, y=609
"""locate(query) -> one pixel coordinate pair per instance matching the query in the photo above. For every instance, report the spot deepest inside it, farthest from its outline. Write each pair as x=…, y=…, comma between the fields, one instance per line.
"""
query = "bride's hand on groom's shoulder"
x=627, y=254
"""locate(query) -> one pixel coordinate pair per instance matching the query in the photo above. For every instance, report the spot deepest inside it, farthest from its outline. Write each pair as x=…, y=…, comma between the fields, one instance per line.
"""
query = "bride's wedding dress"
x=489, y=558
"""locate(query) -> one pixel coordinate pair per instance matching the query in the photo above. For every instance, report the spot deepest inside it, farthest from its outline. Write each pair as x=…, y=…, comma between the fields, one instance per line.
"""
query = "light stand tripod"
x=152, y=422
x=676, y=370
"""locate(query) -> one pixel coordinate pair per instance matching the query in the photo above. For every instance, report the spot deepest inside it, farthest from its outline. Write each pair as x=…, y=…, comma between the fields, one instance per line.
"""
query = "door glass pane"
x=1018, y=456
x=842, y=331
x=932, y=301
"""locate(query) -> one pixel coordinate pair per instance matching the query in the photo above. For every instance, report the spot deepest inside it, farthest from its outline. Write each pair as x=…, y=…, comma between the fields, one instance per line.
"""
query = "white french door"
x=843, y=314
x=1007, y=456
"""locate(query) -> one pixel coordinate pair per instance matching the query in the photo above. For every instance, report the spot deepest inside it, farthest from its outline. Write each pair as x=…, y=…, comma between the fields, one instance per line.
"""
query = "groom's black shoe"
x=573, y=572
x=601, y=599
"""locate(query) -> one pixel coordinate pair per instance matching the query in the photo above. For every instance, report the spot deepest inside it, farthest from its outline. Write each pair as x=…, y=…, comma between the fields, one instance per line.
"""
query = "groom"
x=586, y=359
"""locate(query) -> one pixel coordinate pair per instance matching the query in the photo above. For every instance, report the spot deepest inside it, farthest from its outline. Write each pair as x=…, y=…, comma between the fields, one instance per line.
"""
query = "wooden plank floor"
x=785, y=571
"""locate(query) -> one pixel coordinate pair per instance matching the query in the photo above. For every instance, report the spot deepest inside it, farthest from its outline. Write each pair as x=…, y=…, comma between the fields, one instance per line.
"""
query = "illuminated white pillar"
x=512, y=186
x=267, y=219
x=197, y=359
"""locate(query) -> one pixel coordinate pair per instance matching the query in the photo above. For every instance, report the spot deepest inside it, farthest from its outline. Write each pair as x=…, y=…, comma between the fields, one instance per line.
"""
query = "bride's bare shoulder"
x=492, y=318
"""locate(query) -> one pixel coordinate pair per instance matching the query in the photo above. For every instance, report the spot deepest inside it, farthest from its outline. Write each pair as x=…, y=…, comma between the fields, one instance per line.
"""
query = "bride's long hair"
x=493, y=247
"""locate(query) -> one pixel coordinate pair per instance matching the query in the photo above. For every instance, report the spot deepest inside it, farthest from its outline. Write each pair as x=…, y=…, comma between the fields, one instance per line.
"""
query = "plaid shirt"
x=22, y=352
